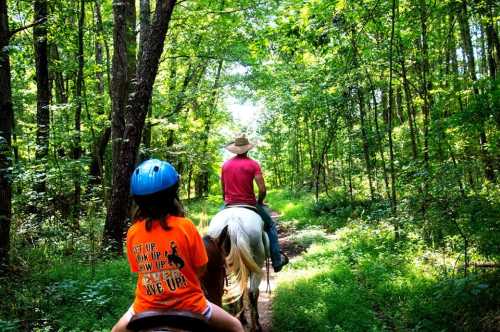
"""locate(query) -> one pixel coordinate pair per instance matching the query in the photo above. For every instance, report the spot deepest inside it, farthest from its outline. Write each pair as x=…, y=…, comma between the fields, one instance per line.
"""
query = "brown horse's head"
x=213, y=279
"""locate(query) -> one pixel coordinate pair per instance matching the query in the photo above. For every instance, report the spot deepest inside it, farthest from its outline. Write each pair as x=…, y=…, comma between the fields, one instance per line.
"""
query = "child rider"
x=166, y=251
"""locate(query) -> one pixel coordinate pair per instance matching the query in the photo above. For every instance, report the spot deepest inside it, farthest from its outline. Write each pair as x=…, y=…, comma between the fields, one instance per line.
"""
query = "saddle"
x=245, y=206
x=168, y=321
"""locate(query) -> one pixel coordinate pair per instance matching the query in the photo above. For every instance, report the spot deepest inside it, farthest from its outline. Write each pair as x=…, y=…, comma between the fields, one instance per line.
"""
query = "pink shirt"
x=237, y=175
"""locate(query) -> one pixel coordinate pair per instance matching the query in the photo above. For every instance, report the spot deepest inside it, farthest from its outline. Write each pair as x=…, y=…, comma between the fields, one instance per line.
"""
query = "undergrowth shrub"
x=68, y=296
x=366, y=281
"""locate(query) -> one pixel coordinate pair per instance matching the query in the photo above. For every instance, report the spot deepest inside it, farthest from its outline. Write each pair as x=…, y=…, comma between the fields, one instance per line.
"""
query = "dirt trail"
x=291, y=249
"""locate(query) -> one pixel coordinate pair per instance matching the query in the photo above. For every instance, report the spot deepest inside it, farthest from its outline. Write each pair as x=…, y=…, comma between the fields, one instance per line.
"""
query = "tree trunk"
x=6, y=116
x=366, y=149
x=425, y=84
x=194, y=74
x=96, y=169
x=493, y=66
x=389, y=122
x=484, y=64
x=146, y=136
x=15, y=147
x=145, y=26
x=409, y=104
x=77, y=150
x=124, y=67
x=362, y=114
x=99, y=59
x=490, y=37
x=145, y=23
x=399, y=105
x=349, y=126
x=379, y=142
x=43, y=92
x=137, y=106
x=60, y=90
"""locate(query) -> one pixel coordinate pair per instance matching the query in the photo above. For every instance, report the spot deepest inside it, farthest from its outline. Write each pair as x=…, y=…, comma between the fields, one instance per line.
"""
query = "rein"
x=268, y=286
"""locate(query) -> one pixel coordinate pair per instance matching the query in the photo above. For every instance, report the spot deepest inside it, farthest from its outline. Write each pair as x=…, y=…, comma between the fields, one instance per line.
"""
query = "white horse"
x=241, y=231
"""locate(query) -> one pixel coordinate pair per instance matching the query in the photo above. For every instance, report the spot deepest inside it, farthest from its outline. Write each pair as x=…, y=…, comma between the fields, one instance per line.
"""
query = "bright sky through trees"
x=245, y=113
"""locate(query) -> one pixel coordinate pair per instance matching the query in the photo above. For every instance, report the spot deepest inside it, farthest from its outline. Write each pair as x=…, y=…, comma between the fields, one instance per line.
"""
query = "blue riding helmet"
x=152, y=176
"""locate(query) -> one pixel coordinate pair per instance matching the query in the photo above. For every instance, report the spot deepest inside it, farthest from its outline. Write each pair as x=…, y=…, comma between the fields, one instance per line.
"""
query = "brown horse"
x=213, y=279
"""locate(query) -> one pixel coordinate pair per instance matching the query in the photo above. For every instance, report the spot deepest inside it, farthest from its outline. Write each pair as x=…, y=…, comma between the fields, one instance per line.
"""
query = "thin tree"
x=425, y=87
x=6, y=123
x=77, y=150
x=202, y=184
x=6, y=115
x=43, y=92
x=362, y=113
x=145, y=26
x=389, y=127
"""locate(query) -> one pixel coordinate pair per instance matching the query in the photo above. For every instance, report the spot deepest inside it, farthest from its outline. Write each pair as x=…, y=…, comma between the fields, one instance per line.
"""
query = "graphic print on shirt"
x=173, y=259
x=159, y=272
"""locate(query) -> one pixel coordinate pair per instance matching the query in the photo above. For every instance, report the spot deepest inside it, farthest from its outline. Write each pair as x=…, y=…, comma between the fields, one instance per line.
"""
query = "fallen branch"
x=486, y=265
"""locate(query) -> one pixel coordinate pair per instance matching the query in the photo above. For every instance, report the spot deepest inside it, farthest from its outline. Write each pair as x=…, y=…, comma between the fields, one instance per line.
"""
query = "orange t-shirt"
x=166, y=262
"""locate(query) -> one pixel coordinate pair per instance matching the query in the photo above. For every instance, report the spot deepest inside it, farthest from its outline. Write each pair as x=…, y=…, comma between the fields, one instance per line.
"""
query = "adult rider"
x=237, y=177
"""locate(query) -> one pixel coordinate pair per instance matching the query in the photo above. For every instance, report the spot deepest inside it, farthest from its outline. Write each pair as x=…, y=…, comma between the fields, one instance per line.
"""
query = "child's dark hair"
x=158, y=206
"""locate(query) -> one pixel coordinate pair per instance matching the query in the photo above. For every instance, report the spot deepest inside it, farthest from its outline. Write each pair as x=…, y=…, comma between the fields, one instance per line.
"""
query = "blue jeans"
x=272, y=233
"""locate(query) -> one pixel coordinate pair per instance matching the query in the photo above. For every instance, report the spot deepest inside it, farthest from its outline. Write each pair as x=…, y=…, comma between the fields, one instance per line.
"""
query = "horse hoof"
x=241, y=317
x=257, y=329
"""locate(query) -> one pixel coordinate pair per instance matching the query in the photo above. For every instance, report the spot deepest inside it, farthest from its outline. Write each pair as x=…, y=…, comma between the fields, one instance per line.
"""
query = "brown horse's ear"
x=222, y=237
x=222, y=241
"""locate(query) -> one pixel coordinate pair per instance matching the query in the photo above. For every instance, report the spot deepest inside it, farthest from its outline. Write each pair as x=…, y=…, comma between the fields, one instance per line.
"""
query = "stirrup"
x=284, y=261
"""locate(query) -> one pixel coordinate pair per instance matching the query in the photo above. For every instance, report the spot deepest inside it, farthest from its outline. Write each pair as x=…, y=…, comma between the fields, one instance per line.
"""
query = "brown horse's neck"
x=213, y=279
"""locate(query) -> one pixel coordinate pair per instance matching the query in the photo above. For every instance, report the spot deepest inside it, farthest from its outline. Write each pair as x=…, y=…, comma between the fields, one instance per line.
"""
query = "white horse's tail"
x=240, y=260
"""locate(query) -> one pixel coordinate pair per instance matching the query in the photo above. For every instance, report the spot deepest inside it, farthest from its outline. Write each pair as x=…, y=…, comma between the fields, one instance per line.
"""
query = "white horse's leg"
x=254, y=301
x=255, y=280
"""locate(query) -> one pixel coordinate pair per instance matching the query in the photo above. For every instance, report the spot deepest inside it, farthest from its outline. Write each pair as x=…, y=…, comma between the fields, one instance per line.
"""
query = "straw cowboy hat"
x=240, y=145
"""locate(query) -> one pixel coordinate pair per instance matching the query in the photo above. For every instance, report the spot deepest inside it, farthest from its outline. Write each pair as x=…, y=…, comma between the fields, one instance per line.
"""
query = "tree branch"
x=37, y=22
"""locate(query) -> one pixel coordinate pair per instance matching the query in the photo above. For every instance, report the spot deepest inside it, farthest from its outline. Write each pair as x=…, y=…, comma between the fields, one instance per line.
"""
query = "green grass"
x=201, y=211
x=67, y=296
x=364, y=281
x=329, y=213
x=294, y=208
